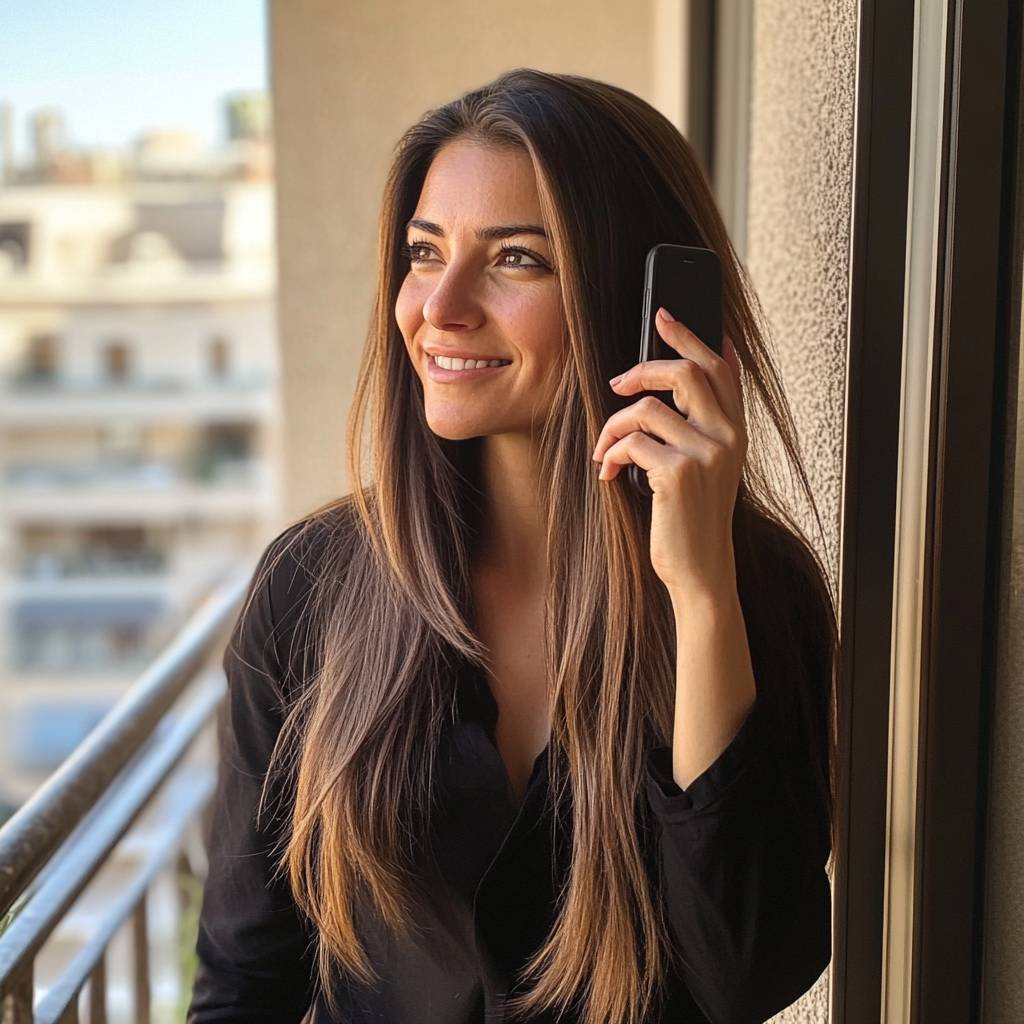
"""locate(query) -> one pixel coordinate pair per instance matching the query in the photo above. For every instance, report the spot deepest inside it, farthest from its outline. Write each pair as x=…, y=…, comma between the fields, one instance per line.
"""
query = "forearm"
x=715, y=688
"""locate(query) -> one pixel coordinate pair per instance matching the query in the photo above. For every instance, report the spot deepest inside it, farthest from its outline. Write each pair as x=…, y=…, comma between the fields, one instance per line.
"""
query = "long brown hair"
x=392, y=599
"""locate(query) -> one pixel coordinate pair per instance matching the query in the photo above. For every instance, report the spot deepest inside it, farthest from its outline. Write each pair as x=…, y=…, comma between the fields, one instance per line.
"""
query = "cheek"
x=541, y=324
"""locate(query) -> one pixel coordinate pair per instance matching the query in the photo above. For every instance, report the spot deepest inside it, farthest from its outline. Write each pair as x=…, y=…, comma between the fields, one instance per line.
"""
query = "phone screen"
x=688, y=282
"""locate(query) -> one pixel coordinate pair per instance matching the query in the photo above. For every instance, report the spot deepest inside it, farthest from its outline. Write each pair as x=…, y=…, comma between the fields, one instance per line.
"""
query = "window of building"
x=218, y=357
x=74, y=635
x=14, y=244
x=41, y=358
x=117, y=362
x=224, y=452
x=230, y=441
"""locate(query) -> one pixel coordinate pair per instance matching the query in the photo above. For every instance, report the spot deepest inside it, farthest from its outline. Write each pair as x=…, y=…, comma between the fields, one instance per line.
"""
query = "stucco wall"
x=798, y=235
x=801, y=160
x=348, y=78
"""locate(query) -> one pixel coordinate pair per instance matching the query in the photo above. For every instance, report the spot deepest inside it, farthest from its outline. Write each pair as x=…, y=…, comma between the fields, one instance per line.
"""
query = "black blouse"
x=739, y=859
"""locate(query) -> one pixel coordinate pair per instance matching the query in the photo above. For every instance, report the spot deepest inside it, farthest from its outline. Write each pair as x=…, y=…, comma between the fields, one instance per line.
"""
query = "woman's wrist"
x=715, y=687
x=706, y=600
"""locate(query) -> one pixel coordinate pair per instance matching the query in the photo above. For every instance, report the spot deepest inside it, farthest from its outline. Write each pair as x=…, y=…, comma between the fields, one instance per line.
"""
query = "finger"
x=679, y=337
x=636, y=449
x=688, y=345
x=652, y=416
x=692, y=391
x=655, y=459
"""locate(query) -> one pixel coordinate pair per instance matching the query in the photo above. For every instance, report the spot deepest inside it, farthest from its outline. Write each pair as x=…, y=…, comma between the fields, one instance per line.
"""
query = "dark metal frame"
x=977, y=279
x=977, y=288
x=871, y=450
x=978, y=292
x=701, y=71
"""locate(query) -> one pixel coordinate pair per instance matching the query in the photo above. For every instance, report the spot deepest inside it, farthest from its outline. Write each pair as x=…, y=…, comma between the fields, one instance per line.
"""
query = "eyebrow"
x=484, y=234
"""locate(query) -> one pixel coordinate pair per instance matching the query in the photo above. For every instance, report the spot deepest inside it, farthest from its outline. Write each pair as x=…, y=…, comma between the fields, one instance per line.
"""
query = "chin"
x=454, y=430
x=459, y=427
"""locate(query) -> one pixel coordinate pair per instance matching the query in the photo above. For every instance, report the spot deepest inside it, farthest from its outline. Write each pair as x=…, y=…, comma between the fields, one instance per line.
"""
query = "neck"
x=514, y=534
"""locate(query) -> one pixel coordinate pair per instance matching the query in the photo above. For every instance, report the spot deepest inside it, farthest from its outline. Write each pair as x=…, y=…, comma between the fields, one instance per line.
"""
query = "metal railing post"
x=35, y=832
x=17, y=997
x=70, y=1015
x=140, y=938
x=98, y=992
x=53, y=847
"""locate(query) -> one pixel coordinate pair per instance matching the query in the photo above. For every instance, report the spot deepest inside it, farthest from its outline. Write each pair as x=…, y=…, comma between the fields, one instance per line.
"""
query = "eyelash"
x=410, y=248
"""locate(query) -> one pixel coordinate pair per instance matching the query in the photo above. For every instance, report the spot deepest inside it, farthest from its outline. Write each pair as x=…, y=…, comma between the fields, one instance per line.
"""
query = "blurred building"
x=137, y=406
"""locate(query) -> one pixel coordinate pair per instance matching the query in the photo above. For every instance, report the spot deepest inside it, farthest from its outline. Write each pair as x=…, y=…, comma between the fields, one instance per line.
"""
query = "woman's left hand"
x=693, y=456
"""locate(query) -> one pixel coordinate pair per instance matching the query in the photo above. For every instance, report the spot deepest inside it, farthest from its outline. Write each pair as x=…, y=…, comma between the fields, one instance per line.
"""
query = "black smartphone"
x=688, y=282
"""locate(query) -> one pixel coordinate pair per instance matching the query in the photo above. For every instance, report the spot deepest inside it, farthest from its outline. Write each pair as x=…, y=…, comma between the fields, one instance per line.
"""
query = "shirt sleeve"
x=744, y=879
x=254, y=949
x=744, y=849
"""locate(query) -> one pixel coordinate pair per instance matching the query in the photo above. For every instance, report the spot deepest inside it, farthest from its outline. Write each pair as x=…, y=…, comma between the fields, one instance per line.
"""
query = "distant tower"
x=48, y=139
x=248, y=116
x=6, y=143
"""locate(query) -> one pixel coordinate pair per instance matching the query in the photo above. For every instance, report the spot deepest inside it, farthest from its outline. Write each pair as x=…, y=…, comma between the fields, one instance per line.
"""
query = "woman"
x=504, y=740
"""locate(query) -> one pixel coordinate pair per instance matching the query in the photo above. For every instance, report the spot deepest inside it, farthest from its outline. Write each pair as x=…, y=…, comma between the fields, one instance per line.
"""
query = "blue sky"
x=116, y=67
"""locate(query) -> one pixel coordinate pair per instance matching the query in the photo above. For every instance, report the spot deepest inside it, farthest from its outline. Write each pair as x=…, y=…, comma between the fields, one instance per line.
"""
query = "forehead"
x=469, y=183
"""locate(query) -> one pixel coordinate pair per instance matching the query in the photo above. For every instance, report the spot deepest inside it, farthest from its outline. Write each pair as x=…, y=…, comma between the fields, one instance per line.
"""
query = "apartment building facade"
x=137, y=411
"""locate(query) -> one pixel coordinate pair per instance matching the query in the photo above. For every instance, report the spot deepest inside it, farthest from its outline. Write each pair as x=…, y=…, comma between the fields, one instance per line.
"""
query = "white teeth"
x=454, y=363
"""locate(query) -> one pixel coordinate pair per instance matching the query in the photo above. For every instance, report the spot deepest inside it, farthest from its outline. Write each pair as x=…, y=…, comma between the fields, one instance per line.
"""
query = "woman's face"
x=481, y=292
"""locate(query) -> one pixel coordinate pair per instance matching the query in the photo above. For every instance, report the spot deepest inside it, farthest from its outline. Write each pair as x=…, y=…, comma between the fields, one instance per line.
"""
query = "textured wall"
x=801, y=160
x=1004, y=914
x=349, y=76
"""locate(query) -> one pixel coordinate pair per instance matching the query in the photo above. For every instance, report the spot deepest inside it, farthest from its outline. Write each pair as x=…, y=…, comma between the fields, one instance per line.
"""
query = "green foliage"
x=19, y=905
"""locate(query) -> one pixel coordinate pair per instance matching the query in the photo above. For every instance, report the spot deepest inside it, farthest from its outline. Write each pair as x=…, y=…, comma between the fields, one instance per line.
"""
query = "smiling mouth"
x=453, y=363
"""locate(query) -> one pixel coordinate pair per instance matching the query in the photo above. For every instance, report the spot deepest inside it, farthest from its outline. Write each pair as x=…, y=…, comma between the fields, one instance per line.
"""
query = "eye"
x=517, y=256
x=419, y=252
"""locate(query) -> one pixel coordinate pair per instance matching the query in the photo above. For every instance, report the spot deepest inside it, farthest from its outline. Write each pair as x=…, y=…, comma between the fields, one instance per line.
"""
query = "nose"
x=454, y=304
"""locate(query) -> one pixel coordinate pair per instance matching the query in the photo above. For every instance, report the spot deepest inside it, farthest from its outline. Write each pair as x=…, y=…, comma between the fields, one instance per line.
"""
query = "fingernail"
x=666, y=315
x=615, y=380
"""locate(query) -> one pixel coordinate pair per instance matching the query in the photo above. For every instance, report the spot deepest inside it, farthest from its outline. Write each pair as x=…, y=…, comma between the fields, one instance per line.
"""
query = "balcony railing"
x=141, y=563
x=151, y=475
x=43, y=403
x=60, y=839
